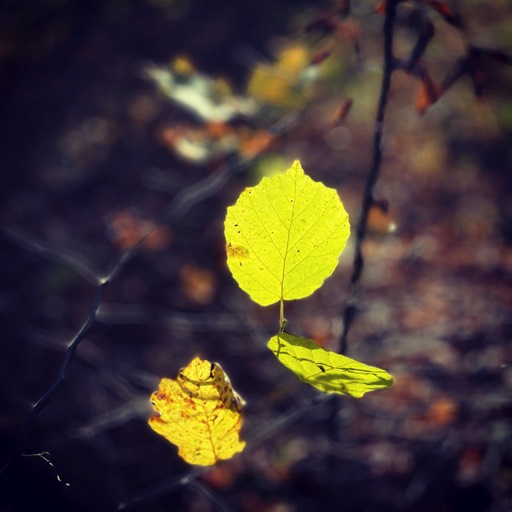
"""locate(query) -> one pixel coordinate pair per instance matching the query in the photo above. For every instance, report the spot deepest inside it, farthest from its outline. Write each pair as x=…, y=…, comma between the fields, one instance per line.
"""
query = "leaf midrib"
x=283, y=273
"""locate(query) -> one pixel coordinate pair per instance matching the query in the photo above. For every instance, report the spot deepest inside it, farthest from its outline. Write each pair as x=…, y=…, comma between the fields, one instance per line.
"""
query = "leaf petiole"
x=282, y=319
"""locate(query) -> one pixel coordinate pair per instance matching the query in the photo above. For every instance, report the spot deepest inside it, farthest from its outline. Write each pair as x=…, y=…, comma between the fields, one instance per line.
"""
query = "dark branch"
x=373, y=174
x=424, y=38
x=176, y=209
x=43, y=402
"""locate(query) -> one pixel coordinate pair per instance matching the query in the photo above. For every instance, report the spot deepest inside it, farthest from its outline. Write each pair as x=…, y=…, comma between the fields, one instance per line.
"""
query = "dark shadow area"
x=120, y=118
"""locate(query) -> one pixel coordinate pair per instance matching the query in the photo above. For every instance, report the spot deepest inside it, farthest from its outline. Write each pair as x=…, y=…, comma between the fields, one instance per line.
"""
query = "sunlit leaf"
x=284, y=236
x=325, y=370
x=200, y=413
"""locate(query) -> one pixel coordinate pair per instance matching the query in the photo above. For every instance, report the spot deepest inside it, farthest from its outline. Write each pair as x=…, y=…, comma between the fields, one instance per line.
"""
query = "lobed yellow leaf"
x=284, y=236
x=200, y=413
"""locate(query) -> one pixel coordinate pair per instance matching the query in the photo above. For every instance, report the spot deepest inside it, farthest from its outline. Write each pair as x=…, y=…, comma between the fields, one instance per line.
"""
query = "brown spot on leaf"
x=236, y=251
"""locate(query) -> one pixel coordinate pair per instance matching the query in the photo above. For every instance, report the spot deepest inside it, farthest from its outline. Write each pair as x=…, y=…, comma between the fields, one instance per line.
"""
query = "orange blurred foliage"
x=198, y=284
x=255, y=142
x=221, y=476
x=379, y=219
x=428, y=93
x=202, y=144
x=442, y=411
x=126, y=229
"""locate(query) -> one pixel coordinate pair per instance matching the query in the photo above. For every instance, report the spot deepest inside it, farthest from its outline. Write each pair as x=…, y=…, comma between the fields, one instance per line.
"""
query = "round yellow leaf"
x=284, y=236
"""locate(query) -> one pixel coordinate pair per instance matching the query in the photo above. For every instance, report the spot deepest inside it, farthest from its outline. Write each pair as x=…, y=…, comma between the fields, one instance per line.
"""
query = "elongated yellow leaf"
x=325, y=370
x=284, y=236
x=200, y=413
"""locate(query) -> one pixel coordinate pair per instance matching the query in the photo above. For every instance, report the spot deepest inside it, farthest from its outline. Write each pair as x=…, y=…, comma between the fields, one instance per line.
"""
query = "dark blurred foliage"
x=90, y=157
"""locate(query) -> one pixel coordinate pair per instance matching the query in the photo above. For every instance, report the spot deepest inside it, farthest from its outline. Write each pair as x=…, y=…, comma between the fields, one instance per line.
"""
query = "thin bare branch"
x=373, y=174
x=178, y=207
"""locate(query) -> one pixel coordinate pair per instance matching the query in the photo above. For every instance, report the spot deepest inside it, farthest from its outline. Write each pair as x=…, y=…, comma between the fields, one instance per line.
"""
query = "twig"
x=43, y=402
x=163, y=488
x=176, y=209
x=53, y=252
x=373, y=174
x=213, y=498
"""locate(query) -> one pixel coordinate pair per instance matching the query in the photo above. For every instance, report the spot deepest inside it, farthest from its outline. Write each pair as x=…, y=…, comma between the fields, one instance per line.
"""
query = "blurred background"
x=124, y=116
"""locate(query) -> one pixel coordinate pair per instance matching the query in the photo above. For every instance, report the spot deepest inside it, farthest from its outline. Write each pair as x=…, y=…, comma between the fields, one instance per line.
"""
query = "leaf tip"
x=296, y=167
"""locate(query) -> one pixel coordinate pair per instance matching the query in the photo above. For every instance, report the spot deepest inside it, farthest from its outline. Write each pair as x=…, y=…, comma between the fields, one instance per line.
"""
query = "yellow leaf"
x=284, y=236
x=325, y=370
x=200, y=413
